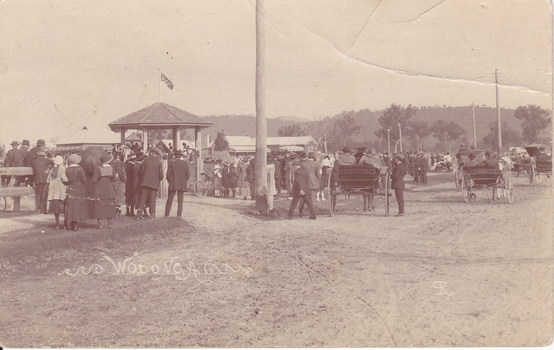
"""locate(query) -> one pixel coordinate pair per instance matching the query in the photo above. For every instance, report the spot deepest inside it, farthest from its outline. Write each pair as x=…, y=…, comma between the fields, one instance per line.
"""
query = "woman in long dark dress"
x=103, y=193
x=76, y=205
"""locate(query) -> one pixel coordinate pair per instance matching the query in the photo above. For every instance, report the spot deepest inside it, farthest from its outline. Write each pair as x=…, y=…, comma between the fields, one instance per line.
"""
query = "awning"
x=242, y=149
x=76, y=148
x=292, y=148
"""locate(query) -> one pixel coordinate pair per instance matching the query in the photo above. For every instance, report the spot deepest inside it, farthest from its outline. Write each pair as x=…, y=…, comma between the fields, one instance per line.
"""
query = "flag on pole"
x=167, y=81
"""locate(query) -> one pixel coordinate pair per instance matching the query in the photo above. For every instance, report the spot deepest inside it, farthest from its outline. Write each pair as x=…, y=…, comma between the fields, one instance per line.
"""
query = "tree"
x=331, y=130
x=418, y=131
x=510, y=137
x=221, y=143
x=291, y=130
x=391, y=117
x=535, y=120
x=447, y=131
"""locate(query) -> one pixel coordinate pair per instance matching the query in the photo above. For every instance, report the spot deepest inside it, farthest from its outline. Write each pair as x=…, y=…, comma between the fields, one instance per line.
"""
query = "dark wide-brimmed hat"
x=41, y=142
x=25, y=143
x=15, y=143
x=346, y=149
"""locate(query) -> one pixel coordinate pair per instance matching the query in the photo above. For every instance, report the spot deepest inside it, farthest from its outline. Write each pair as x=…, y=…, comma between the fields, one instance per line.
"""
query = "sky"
x=69, y=64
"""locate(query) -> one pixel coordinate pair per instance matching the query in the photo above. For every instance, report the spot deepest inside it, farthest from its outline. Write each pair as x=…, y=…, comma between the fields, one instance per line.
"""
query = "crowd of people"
x=63, y=187
x=125, y=176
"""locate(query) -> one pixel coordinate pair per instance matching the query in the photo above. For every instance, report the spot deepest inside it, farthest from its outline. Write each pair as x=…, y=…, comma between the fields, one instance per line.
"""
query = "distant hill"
x=245, y=125
x=241, y=125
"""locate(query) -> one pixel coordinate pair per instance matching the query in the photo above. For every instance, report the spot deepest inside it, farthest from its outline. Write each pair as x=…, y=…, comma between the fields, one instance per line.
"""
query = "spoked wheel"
x=457, y=180
x=386, y=191
x=3, y=203
x=532, y=175
x=466, y=191
x=200, y=188
x=331, y=194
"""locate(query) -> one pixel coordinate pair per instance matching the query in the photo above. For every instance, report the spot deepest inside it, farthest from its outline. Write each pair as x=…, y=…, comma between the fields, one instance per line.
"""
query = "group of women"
x=79, y=196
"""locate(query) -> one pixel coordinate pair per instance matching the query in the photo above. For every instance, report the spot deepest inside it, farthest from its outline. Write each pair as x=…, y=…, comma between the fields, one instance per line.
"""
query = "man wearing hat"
x=31, y=155
x=289, y=173
x=140, y=157
x=41, y=165
x=301, y=190
x=8, y=163
x=120, y=179
x=130, y=184
x=346, y=158
x=251, y=177
x=151, y=174
x=398, y=173
x=359, y=154
x=177, y=176
x=313, y=169
x=19, y=161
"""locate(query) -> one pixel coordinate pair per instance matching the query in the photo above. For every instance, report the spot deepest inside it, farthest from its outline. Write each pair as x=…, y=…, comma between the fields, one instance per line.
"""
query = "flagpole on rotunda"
x=160, y=84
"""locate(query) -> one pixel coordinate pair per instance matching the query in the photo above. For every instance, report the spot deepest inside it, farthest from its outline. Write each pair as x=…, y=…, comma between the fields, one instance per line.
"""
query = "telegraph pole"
x=388, y=141
x=262, y=191
x=400, y=133
x=474, y=130
x=499, y=133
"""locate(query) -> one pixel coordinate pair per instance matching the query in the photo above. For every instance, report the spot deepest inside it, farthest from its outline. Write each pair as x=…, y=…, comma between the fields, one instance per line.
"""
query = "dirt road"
x=446, y=274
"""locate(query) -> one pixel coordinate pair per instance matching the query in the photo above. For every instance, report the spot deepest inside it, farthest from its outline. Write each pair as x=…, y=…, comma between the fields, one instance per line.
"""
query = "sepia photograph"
x=276, y=174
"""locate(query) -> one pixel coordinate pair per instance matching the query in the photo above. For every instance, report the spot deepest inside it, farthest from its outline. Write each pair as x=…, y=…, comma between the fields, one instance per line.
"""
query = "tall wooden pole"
x=474, y=130
x=499, y=121
x=400, y=135
x=261, y=123
x=388, y=141
x=160, y=84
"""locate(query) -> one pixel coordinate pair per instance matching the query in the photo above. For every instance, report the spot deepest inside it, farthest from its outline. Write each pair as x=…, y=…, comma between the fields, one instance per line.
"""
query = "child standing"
x=56, y=189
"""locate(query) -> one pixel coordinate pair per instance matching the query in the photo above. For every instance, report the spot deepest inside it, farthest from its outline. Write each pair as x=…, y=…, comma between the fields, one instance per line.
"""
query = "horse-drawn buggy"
x=541, y=162
x=366, y=180
x=493, y=176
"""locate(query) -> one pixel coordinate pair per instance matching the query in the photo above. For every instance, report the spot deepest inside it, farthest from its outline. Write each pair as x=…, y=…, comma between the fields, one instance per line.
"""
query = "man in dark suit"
x=41, y=165
x=398, y=173
x=19, y=161
x=151, y=174
x=313, y=169
x=8, y=163
x=301, y=190
x=32, y=155
x=177, y=175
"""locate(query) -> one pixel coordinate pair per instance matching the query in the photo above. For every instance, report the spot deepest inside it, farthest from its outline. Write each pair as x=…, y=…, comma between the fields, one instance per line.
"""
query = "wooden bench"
x=16, y=192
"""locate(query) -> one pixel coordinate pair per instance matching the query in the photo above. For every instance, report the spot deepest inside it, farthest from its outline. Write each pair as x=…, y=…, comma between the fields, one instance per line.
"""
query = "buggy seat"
x=358, y=177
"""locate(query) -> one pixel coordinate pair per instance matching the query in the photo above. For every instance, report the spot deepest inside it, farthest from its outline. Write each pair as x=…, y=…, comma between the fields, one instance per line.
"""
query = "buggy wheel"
x=457, y=180
x=331, y=193
x=200, y=188
x=532, y=175
x=3, y=203
x=386, y=191
x=332, y=203
x=466, y=191
x=510, y=192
